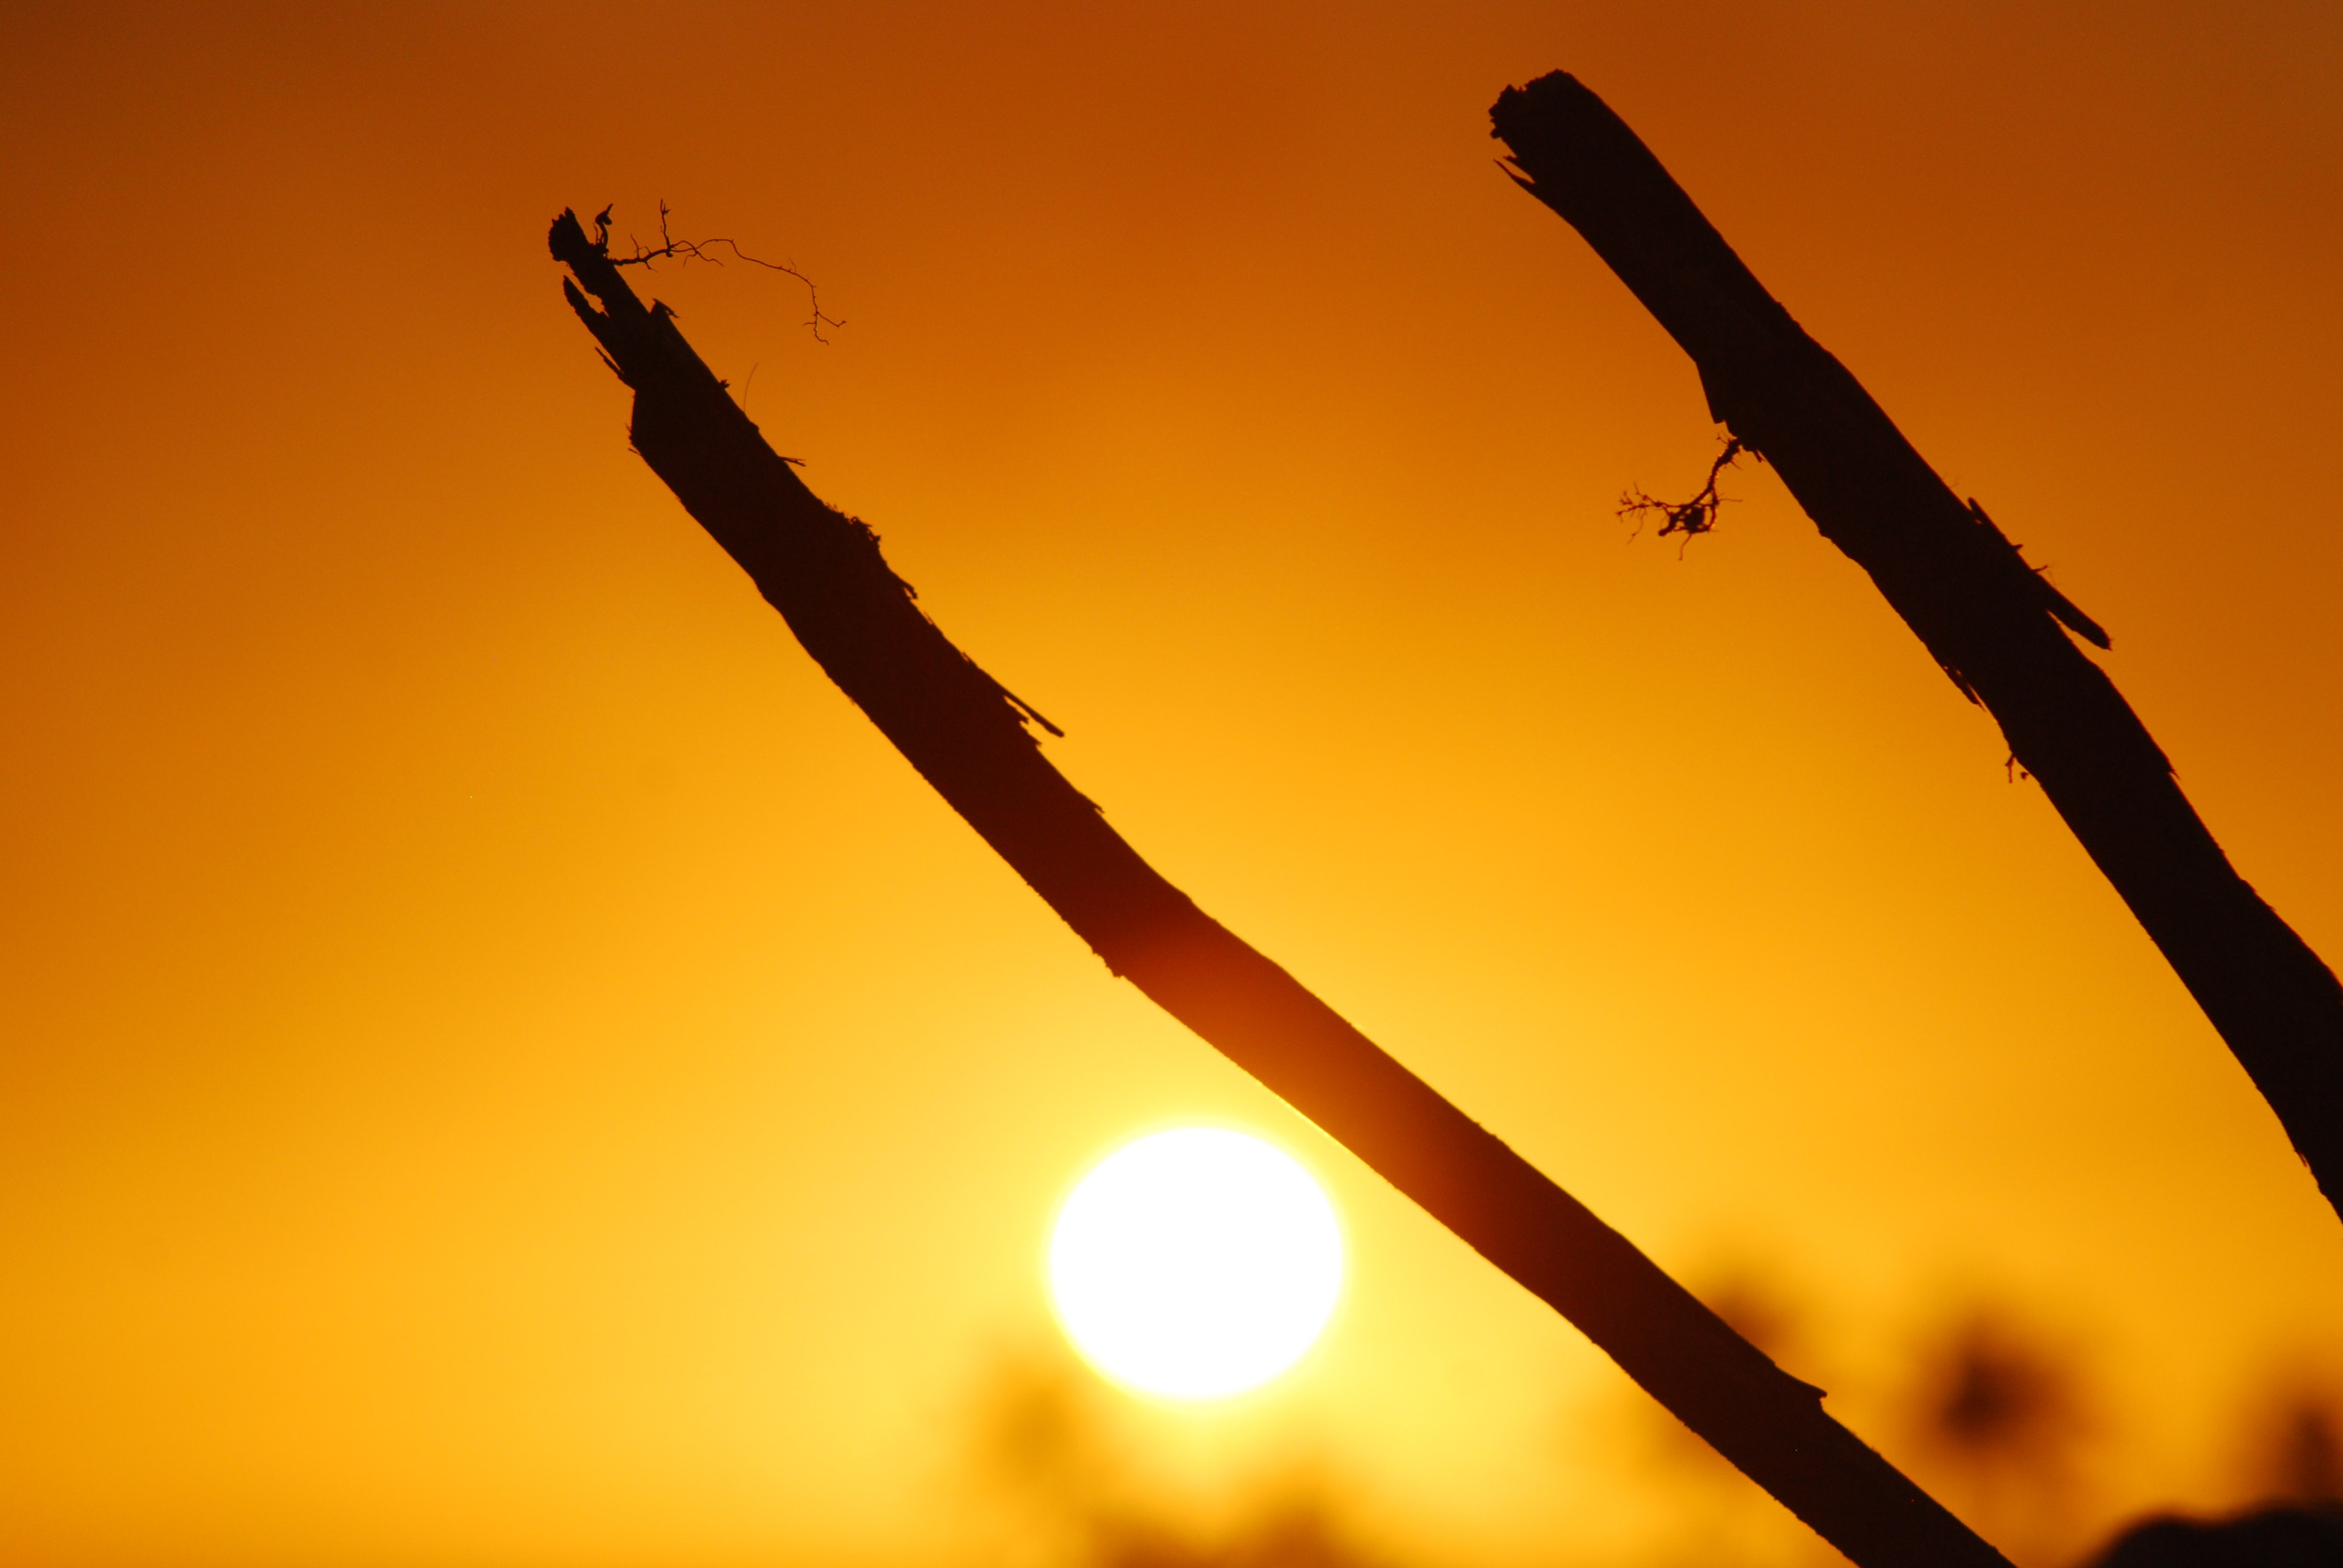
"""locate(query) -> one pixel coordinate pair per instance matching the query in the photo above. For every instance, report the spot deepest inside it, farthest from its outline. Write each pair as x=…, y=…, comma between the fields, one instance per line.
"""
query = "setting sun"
x=1196, y=1263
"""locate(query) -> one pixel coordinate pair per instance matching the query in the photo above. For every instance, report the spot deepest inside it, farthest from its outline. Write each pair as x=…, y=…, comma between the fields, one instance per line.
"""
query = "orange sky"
x=505, y=1066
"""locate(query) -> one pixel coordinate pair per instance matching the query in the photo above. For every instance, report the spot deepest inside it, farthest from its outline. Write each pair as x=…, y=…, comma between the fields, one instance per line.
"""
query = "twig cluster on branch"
x=702, y=250
x=1697, y=515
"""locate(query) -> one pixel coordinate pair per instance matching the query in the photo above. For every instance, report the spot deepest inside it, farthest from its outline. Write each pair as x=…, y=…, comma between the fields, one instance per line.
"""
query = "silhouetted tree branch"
x=1988, y=618
x=823, y=571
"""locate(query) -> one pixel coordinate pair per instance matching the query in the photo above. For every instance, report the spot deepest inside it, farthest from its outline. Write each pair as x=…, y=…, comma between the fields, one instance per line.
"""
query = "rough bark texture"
x=1990, y=620
x=967, y=737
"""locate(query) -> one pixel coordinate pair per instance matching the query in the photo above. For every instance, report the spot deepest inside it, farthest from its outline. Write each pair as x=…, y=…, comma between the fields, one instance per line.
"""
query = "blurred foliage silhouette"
x=2000, y=1417
x=1078, y=1496
x=1992, y=1409
x=2271, y=1538
x=2308, y=1466
x=2293, y=1447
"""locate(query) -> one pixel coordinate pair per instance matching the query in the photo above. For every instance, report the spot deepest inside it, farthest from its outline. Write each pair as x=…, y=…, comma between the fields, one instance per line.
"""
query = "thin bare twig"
x=688, y=250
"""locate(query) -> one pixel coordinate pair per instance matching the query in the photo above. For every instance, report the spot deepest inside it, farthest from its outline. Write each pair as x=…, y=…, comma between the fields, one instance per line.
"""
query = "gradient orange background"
x=504, y=1065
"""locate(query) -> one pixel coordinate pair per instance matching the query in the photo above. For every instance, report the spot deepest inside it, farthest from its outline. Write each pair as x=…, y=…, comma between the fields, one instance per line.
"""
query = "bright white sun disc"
x=1196, y=1263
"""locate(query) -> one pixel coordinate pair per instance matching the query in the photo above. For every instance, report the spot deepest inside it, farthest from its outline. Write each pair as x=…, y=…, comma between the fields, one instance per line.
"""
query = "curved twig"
x=698, y=250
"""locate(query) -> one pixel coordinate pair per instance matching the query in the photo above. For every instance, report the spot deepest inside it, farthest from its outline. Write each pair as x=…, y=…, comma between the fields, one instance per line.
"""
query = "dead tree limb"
x=965, y=734
x=1988, y=618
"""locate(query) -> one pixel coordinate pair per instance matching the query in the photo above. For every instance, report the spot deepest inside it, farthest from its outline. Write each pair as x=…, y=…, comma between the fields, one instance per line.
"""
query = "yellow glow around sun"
x=1196, y=1263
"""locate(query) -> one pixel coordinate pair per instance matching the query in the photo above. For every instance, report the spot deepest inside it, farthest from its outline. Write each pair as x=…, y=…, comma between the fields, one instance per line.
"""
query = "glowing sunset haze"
x=501, y=1063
